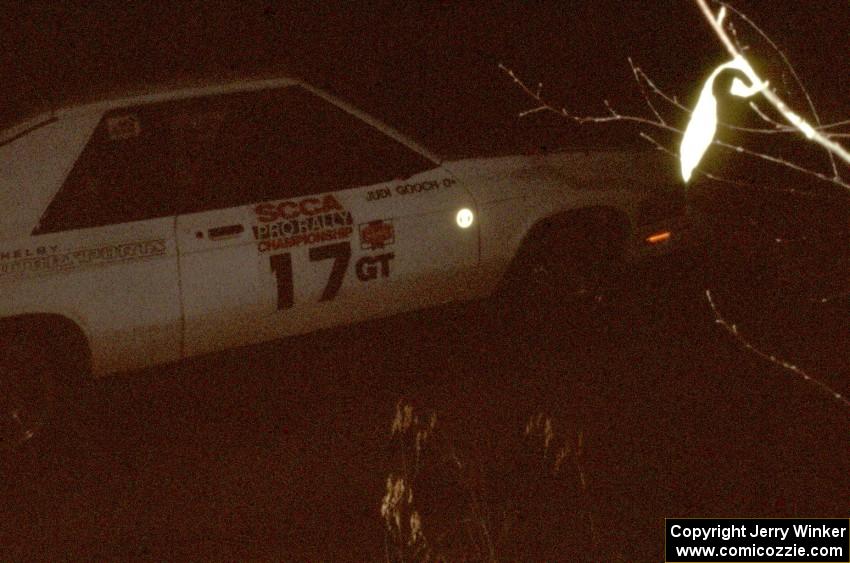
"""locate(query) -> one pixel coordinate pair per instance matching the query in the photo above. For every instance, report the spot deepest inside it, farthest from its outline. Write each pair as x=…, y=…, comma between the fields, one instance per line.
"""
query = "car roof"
x=176, y=90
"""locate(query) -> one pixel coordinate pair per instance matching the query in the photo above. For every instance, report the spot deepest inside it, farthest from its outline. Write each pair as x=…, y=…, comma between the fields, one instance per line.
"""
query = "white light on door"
x=464, y=218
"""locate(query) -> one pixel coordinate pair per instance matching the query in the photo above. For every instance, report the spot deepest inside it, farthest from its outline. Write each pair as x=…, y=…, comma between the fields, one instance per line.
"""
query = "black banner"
x=765, y=540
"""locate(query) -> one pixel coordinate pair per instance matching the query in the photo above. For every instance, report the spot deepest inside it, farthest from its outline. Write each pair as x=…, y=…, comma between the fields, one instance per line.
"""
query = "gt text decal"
x=368, y=267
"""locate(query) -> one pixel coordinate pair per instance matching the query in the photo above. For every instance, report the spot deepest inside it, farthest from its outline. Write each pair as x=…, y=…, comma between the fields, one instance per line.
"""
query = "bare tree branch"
x=733, y=331
x=614, y=116
x=640, y=75
x=822, y=134
x=793, y=118
x=793, y=71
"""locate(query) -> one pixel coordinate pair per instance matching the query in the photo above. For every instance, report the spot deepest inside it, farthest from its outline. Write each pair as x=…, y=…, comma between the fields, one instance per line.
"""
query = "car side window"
x=277, y=144
x=125, y=173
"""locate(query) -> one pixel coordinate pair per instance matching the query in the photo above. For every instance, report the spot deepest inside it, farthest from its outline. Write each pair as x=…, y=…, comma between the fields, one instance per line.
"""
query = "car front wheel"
x=567, y=274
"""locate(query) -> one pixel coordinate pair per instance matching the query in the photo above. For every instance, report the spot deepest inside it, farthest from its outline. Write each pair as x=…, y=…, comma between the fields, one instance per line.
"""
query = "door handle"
x=225, y=232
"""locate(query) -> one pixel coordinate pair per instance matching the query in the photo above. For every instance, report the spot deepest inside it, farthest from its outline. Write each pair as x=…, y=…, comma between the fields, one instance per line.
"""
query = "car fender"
x=518, y=192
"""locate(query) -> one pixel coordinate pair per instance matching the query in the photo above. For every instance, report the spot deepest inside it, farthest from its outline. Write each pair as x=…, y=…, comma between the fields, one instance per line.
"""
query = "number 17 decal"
x=341, y=254
x=281, y=265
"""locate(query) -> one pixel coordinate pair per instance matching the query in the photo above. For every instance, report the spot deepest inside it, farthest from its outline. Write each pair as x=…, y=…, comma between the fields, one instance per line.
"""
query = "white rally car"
x=142, y=230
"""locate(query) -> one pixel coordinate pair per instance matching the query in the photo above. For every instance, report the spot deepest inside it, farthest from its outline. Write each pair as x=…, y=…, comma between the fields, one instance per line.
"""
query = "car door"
x=297, y=232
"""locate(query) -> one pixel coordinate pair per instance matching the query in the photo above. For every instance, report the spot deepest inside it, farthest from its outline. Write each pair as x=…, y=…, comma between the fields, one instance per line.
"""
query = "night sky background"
x=429, y=68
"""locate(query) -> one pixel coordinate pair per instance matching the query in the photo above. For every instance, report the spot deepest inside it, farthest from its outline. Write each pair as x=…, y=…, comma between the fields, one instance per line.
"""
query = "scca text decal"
x=268, y=212
x=85, y=257
x=308, y=221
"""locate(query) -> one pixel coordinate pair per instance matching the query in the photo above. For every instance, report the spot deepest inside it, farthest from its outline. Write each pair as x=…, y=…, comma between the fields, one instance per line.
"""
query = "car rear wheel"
x=29, y=393
x=41, y=393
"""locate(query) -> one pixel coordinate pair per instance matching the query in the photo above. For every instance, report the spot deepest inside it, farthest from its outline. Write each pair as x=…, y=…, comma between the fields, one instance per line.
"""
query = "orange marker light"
x=658, y=237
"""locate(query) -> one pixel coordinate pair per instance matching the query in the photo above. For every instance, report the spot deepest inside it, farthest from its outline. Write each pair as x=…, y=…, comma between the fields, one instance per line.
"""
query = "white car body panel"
x=118, y=283
x=429, y=255
x=515, y=192
x=27, y=184
x=154, y=291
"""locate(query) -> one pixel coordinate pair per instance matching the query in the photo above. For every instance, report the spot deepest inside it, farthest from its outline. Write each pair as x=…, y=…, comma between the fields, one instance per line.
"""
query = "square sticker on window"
x=123, y=127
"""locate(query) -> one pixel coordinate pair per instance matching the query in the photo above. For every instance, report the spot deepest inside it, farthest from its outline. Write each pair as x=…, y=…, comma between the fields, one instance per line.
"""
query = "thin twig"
x=791, y=68
x=733, y=331
x=782, y=162
x=842, y=123
x=637, y=74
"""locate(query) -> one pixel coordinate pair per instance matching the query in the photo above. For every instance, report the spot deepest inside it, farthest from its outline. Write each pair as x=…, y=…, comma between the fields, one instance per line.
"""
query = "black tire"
x=39, y=389
x=567, y=270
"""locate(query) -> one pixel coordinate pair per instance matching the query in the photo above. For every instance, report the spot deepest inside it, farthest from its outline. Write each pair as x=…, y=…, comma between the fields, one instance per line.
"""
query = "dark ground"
x=282, y=451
